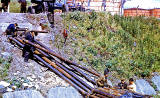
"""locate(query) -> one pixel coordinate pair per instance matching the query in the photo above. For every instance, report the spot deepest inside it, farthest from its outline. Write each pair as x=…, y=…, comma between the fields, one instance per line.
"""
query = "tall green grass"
x=128, y=46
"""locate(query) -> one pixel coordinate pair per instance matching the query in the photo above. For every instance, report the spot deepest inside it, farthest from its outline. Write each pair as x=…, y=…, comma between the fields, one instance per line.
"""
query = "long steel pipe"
x=69, y=79
x=108, y=95
x=75, y=68
x=17, y=42
x=65, y=78
x=74, y=75
x=66, y=74
x=84, y=75
x=61, y=75
x=63, y=59
x=42, y=52
x=66, y=71
x=81, y=73
x=88, y=86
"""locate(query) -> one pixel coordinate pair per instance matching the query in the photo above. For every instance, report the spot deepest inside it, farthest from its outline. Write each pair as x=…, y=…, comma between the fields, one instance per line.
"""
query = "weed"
x=4, y=67
x=127, y=45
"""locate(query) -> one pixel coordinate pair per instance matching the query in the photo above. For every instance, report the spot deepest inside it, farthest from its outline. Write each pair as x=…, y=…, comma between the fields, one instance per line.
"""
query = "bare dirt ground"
x=38, y=76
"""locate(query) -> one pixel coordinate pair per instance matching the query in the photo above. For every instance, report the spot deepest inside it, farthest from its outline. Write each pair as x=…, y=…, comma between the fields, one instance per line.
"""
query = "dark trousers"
x=10, y=33
x=28, y=52
x=5, y=7
x=23, y=7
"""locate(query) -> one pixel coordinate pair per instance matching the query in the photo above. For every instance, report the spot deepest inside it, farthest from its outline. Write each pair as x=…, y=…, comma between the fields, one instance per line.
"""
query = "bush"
x=4, y=67
x=127, y=45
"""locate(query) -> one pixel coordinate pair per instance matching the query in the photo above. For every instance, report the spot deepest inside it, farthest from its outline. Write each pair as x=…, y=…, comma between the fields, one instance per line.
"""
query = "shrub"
x=4, y=67
x=127, y=45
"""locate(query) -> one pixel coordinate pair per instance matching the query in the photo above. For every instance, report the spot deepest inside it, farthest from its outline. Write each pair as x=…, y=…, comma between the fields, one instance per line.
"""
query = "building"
x=146, y=8
x=112, y=6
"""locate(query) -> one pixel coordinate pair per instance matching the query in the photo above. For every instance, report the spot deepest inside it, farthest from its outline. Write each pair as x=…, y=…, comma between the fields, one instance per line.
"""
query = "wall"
x=112, y=6
x=142, y=12
x=155, y=12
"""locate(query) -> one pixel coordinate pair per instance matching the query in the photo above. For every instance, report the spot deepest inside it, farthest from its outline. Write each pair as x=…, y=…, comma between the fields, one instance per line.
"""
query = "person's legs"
x=21, y=8
x=24, y=9
x=26, y=52
x=5, y=7
x=23, y=51
x=7, y=32
x=26, y=56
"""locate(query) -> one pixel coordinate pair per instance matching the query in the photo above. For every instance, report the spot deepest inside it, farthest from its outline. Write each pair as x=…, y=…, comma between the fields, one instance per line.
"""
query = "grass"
x=128, y=46
x=4, y=67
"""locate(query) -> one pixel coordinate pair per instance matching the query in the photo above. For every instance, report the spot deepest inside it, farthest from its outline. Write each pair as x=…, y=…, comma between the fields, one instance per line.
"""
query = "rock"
x=74, y=27
x=143, y=87
x=5, y=84
x=25, y=85
x=2, y=89
x=37, y=86
x=109, y=83
x=29, y=78
x=17, y=73
x=155, y=74
x=30, y=85
x=43, y=69
x=156, y=81
x=63, y=92
x=14, y=87
x=6, y=55
x=23, y=94
x=3, y=26
x=33, y=77
x=9, y=89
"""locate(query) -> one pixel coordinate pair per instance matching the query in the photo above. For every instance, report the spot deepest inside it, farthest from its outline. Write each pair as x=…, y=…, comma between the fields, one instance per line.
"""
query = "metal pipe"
x=67, y=61
x=81, y=72
x=61, y=75
x=67, y=77
x=100, y=96
x=92, y=96
x=38, y=42
x=74, y=75
x=17, y=42
x=84, y=75
x=62, y=71
x=104, y=93
x=39, y=31
x=66, y=74
x=43, y=53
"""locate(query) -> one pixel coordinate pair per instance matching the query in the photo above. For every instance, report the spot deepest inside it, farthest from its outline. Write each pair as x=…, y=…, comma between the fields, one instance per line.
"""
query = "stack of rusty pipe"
x=67, y=70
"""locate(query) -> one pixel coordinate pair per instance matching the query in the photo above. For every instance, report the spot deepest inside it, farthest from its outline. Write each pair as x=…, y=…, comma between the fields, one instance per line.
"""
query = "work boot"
x=26, y=60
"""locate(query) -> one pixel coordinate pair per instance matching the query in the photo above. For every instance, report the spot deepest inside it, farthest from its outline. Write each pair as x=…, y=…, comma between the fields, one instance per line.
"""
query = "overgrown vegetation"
x=129, y=46
x=4, y=67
